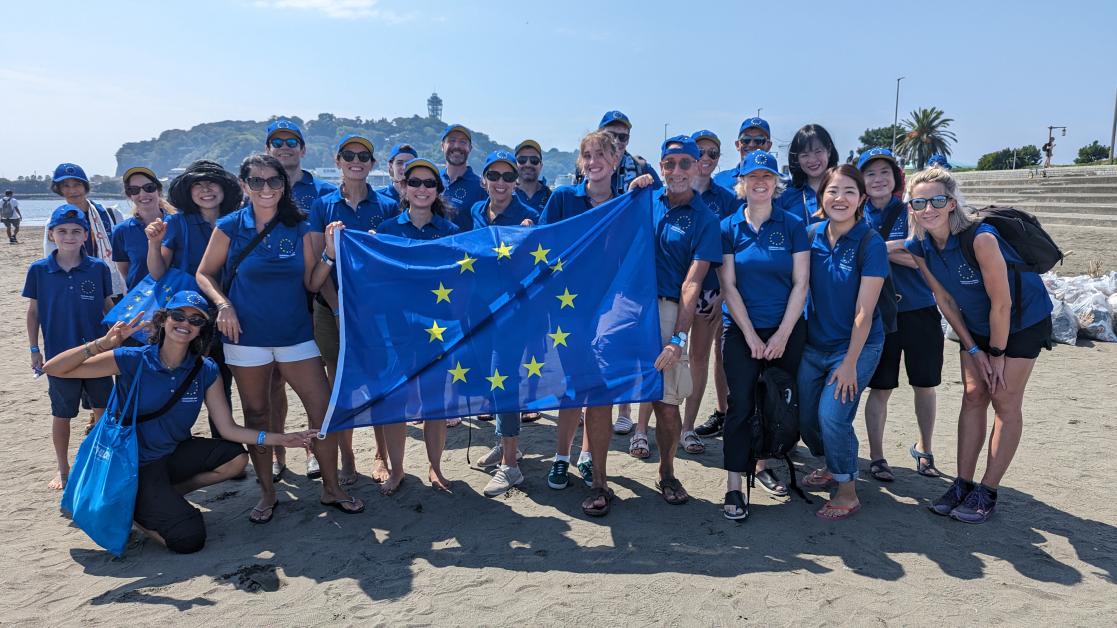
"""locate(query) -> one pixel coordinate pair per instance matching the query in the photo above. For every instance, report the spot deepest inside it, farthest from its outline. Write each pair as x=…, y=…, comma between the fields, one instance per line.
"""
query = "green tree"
x=881, y=136
x=926, y=134
x=1091, y=153
x=1008, y=158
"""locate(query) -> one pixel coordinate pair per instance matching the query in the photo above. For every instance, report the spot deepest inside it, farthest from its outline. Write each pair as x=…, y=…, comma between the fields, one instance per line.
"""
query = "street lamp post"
x=665, y=131
x=1113, y=133
x=896, y=113
x=758, y=110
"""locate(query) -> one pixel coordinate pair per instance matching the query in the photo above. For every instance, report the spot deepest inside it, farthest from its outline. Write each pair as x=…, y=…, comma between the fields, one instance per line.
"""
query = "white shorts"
x=240, y=355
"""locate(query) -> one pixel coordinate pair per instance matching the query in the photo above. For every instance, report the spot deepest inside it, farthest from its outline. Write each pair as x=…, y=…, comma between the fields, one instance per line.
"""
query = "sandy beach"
x=1048, y=557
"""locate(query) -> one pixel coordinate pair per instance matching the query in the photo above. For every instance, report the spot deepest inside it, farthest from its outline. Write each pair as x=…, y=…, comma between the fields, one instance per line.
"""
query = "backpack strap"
x=243, y=253
x=965, y=242
x=889, y=220
x=178, y=394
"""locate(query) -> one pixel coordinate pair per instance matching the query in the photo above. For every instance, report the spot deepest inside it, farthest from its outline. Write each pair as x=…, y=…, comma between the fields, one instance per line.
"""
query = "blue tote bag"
x=151, y=295
x=100, y=494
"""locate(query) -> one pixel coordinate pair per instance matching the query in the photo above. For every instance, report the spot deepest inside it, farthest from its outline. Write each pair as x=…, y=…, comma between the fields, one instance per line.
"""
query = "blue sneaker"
x=952, y=498
x=586, y=469
x=558, y=478
x=978, y=506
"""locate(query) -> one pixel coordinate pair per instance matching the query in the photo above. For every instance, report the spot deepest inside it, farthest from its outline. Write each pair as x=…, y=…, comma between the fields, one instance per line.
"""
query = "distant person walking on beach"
x=10, y=214
x=1048, y=152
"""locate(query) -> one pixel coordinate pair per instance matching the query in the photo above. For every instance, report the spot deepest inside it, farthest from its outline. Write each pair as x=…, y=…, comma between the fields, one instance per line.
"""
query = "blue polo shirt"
x=536, y=201
x=835, y=281
x=307, y=189
x=370, y=212
x=512, y=216
x=129, y=244
x=159, y=437
x=566, y=201
x=460, y=196
x=71, y=303
x=402, y=226
x=801, y=202
x=914, y=293
x=727, y=179
x=967, y=286
x=389, y=192
x=683, y=234
x=187, y=234
x=268, y=291
x=723, y=203
x=763, y=263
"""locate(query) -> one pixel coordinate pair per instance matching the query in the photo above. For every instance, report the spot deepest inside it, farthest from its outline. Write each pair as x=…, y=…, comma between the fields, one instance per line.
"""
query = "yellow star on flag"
x=496, y=380
x=458, y=372
x=540, y=254
x=557, y=266
x=503, y=251
x=466, y=263
x=566, y=298
x=559, y=337
x=534, y=367
x=443, y=293
x=435, y=331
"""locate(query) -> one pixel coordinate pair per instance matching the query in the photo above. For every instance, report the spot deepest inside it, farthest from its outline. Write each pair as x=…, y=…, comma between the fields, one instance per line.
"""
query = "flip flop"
x=843, y=513
x=270, y=514
x=595, y=493
x=338, y=505
x=454, y=422
x=819, y=478
x=676, y=487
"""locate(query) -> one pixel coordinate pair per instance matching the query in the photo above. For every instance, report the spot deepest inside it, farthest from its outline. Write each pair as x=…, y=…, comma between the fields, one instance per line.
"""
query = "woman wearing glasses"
x=265, y=255
x=1002, y=325
x=810, y=155
x=129, y=244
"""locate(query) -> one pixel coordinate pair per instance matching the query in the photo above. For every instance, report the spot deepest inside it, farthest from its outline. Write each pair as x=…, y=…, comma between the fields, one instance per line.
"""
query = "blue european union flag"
x=499, y=319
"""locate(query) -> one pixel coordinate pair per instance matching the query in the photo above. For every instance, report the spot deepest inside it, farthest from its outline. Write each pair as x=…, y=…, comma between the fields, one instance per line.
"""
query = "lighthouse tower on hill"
x=434, y=106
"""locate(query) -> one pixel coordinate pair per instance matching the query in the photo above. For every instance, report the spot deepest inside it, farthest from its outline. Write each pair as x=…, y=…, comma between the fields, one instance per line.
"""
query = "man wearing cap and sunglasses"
x=285, y=142
x=629, y=167
x=754, y=134
x=531, y=187
x=400, y=155
x=463, y=186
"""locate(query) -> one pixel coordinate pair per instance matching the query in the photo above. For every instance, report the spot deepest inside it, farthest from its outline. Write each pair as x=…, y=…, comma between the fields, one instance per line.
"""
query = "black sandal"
x=595, y=493
x=878, y=468
x=771, y=483
x=926, y=469
x=737, y=500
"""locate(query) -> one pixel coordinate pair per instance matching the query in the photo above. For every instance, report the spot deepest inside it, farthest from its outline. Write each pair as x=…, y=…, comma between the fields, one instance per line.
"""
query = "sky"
x=79, y=78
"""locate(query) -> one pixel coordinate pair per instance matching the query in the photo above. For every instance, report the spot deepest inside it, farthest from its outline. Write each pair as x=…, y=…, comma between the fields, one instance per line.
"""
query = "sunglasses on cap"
x=278, y=142
x=682, y=164
x=533, y=160
x=745, y=140
x=712, y=153
x=493, y=175
x=620, y=137
x=415, y=182
x=132, y=190
x=195, y=320
x=257, y=183
x=364, y=156
x=938, y=202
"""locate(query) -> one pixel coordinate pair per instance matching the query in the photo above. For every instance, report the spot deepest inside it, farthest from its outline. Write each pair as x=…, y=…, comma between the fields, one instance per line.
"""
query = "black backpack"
x=1023, y=233
x=888, y=302
x=776, y=422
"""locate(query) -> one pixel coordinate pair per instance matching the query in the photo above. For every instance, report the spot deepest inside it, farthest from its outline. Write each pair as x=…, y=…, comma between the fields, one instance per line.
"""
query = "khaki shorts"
x=677, y=382
x=326, y=334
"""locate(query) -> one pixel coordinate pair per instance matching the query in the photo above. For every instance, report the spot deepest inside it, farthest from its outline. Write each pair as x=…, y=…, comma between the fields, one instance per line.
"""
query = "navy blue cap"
x=188, y=298
x=757, y=123
x=402, y=149
x=69, y=171
x=353, y=137
x=500, y=156
x=686, y=146
x=68, y=215
x=283, y=124
x=874, y=153
x=614, y=116
x=705, y=134
x=450, y=128
x=757, y=160
x=938, y=160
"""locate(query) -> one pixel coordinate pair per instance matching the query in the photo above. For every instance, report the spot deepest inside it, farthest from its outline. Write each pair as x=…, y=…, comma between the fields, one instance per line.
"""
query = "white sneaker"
x=495, y=455
x=504, y=479
x=623, y=425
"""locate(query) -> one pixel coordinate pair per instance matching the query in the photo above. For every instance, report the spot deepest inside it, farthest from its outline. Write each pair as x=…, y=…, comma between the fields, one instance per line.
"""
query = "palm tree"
x=925, y=135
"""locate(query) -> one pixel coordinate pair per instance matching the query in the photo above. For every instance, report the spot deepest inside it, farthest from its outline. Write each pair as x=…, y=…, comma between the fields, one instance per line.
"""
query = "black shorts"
x=1025, y=343
x=919, y=338
x=66, y=393
x=160, y=508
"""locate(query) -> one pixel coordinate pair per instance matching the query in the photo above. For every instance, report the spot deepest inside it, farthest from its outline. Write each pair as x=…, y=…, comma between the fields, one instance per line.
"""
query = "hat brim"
x=357, y=140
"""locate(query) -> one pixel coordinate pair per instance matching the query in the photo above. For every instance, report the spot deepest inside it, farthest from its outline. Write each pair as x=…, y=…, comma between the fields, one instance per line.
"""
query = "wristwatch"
x=679, y=339
x=995, y=352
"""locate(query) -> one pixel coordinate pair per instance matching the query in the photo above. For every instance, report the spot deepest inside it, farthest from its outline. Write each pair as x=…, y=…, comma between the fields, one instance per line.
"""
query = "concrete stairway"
x=1077, y=196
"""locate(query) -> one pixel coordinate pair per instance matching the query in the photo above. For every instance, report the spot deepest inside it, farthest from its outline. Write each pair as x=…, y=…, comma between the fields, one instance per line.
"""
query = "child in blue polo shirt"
x=844, y=334
x=70, y=293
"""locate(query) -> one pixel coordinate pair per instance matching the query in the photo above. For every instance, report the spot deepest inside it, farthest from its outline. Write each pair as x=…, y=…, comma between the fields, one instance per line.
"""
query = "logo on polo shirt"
x=966, y=275
x=777, y=241
x=286, y=247
x=192, y=394
x=846, y=260
x=88, y=289
x=682, y=223
x=898, y=231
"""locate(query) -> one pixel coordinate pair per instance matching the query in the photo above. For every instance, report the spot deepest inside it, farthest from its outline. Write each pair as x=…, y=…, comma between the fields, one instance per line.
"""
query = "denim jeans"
x=507, y=424
x=826, y=423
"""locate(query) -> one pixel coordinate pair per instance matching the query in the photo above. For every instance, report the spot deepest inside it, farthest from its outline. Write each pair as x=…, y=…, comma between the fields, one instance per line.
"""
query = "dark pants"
x=742, y=373
x=217, y=352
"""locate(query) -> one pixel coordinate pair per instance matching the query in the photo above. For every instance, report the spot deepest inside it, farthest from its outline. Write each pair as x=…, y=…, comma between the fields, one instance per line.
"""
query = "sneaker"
x=312, y=470
x=977, y=507
x=558, y=478
x=623, y=425
x=712, y=426
x=504, y=479
x=952, y=498
x=495, y=455
x=585, y=467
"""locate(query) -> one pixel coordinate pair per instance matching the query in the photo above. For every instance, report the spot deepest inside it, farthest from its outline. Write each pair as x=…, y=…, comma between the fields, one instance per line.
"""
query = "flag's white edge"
x=341, y=333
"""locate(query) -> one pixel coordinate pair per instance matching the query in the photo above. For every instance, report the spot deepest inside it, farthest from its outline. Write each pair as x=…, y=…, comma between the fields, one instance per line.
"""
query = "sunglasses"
x=195, y=320
x=620, y=137
x=493, y=175
x=132, y=190
x=535, y=161
x=364, y=156
x=938, y=202
x=712, y=153
x=257, y=183
x=415, y=182
x=745, y=140
x=278, y=142
x=670, y=164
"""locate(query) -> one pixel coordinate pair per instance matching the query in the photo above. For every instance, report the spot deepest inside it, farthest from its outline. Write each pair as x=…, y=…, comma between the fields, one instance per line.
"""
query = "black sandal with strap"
x=878, y=468
x=737, y=500
x=926, y=469
x=595, y=494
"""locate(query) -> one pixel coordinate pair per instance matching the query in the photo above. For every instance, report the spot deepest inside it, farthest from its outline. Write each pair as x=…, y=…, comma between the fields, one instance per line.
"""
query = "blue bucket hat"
x=755, y=123
x=874, y=153
x=614, y=116
x=687, y=146
x=68, y=215
x=757, y=160
x=283, y=124
x=402, y=149
x=498, y=156
x=188, y=298
x=353, y=137
x=461, y=128
x=69, y=171
x=938, y=160
x=705, y=134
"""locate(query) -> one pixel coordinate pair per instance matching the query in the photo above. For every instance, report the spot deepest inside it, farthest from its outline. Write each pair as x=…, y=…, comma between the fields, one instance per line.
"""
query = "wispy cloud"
x=340, y=9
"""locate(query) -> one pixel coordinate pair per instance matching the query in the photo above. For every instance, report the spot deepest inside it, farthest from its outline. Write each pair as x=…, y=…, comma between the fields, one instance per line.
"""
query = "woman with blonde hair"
x=129, y=242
